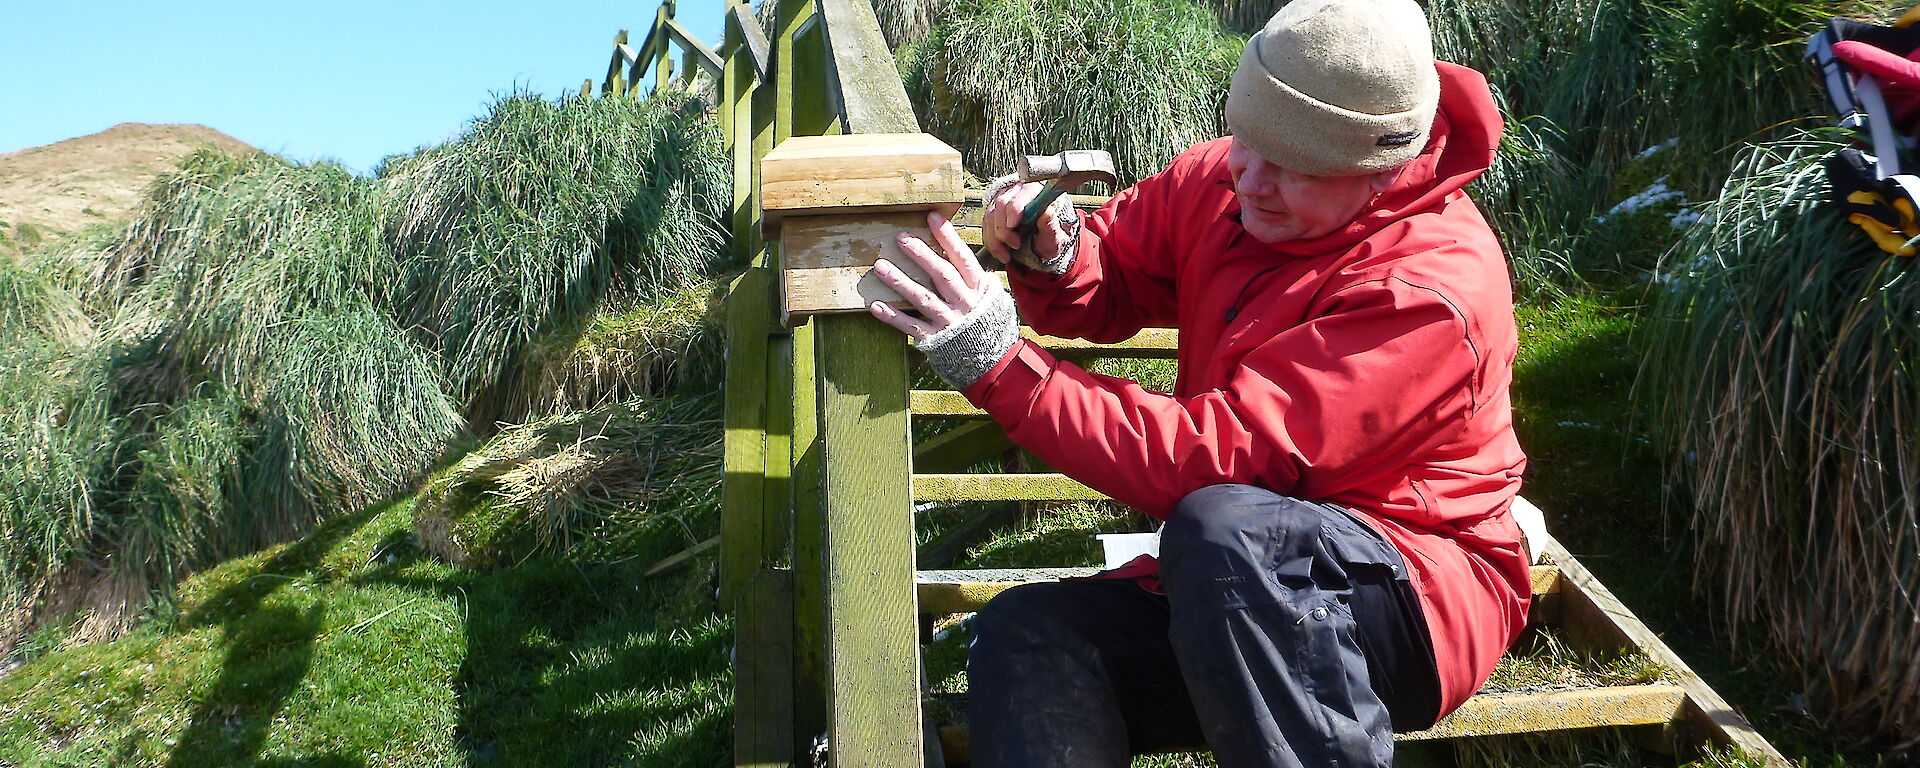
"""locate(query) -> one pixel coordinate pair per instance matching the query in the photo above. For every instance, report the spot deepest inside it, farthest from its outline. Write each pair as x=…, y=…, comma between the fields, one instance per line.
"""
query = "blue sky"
x=349, y=80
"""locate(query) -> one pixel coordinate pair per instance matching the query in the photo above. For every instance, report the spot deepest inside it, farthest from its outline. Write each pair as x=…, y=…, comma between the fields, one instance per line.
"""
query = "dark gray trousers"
x=1288, y=636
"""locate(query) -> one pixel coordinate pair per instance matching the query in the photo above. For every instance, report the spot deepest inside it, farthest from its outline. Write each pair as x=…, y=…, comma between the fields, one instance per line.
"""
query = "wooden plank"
x=960, y=447
x=662, y=71
x=737, y=119
x=797, y=63
x=849, y=173
x=763, y=672
x=963, y=591
x=740, y=19
x=940, y=403
x=701, y=53
x=1594, y=621
x=616, y=65
x=827, y=261
x=1025, y=487
x=650, y=51
x=749, y=315
x=794, y=63
x=1506, y=713
x=872, y=98
x=809, y=539
x=1149, y=343
x=1494, y=714
x=872, y=655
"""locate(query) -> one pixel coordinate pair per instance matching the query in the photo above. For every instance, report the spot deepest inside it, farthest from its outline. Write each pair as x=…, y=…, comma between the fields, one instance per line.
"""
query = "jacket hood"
x=1466, y=133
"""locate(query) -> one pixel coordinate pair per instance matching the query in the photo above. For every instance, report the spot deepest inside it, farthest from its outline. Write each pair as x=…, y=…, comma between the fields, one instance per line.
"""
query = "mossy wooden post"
x=860, y=544
x=748, y=323
x=757, y=449
x=614, y=84
x=799, y=64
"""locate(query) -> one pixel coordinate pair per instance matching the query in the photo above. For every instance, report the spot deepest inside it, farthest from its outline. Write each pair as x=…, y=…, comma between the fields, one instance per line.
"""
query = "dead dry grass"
x=64, y=187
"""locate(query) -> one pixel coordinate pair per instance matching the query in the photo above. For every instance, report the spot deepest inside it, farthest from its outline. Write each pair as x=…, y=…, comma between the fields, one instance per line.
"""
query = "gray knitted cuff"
x=1063, y=212
x=963, y=352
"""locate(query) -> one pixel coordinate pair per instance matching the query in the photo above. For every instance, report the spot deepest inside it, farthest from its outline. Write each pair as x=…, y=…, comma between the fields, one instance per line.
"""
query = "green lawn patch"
x=350, y=647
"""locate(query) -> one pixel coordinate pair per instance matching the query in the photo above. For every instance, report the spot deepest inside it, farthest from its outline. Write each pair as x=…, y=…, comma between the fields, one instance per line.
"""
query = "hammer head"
x=1069, y=169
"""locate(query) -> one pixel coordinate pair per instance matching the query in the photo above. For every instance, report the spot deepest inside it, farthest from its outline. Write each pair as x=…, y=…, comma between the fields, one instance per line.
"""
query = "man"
x=1336, y=463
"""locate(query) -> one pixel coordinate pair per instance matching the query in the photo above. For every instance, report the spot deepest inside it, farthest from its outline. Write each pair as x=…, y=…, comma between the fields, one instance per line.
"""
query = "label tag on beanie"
x=1400, y=139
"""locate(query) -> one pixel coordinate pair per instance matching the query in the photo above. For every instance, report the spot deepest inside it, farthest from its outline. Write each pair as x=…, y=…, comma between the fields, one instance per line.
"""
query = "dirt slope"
x=63, y=187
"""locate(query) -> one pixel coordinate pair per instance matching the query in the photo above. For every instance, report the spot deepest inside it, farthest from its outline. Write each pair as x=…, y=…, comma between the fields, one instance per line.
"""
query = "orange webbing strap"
x=1909, y=18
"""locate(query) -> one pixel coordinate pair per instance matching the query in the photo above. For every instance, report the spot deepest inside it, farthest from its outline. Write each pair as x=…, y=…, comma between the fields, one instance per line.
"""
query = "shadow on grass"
x=269, y=650
x=580, y=664
x=596, y=654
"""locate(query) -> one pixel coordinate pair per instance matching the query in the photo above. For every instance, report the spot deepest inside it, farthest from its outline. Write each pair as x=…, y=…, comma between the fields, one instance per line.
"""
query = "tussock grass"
x=1534, y=197
x=34, y=304
x=578, y=484
x=640, y=350
x=1143, y=79
x=1709, y=44
x=1589, y=88
x=58, y=441
x=55, y=436
x=1782, y=370
x=269, y=344
x=515, y=233
x=253, y=294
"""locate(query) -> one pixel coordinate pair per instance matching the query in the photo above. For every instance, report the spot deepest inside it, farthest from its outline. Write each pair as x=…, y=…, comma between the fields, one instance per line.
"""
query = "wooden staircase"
x=822, y=476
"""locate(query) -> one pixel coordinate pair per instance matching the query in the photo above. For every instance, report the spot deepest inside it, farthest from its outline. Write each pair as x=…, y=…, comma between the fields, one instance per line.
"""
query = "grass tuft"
x=1784, y=350
x=581, y=485
x=1144, y=79
x=514, y=234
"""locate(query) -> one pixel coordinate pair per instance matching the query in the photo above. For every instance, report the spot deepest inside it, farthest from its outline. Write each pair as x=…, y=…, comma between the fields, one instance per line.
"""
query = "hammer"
x=1063, y=172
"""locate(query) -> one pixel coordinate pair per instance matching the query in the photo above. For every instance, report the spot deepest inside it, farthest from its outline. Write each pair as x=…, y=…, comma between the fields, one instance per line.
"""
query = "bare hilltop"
x=66, y=186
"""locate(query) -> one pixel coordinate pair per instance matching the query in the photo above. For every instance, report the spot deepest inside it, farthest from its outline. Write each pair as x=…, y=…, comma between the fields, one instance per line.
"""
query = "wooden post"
x=856, y=627
x=614, y=67
x=872, y=650
x=749, y=316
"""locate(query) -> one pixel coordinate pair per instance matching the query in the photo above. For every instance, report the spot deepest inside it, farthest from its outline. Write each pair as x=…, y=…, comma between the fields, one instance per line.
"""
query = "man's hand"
x=959, y=284
x=967, y=323
x=1002, y=217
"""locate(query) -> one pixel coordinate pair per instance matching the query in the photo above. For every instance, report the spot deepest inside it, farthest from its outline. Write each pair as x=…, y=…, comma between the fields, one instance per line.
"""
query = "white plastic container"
x=1122, y=548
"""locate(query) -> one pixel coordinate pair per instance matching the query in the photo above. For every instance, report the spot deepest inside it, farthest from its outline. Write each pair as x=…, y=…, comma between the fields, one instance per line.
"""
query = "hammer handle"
x=1030, y=216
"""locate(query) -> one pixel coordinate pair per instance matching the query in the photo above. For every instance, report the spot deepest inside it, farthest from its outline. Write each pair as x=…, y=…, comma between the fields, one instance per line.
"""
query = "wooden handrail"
x=740, y=18
x=872, y=98
x=705, y=56
x=627, y=65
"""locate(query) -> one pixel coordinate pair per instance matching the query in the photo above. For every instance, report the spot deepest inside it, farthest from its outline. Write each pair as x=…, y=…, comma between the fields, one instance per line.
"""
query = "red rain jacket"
x=1369, y=368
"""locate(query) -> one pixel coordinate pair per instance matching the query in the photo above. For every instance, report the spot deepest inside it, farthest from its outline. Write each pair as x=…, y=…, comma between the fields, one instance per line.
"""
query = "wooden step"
x=955, y=488
x=942, y=403
x=1501, y=713
x=1149, y=343
x=964, y=591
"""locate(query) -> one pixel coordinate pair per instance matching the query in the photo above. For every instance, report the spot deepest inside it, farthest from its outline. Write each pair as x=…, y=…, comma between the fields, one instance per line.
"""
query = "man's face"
x=1277, y=204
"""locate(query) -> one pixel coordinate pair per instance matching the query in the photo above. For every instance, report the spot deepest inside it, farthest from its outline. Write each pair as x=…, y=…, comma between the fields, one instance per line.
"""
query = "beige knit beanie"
x=1337, y=87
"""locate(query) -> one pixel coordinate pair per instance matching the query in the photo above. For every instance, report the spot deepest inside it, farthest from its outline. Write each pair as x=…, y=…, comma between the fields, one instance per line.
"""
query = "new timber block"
x=836, y=205
x=864, y=173
x=827, y=261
